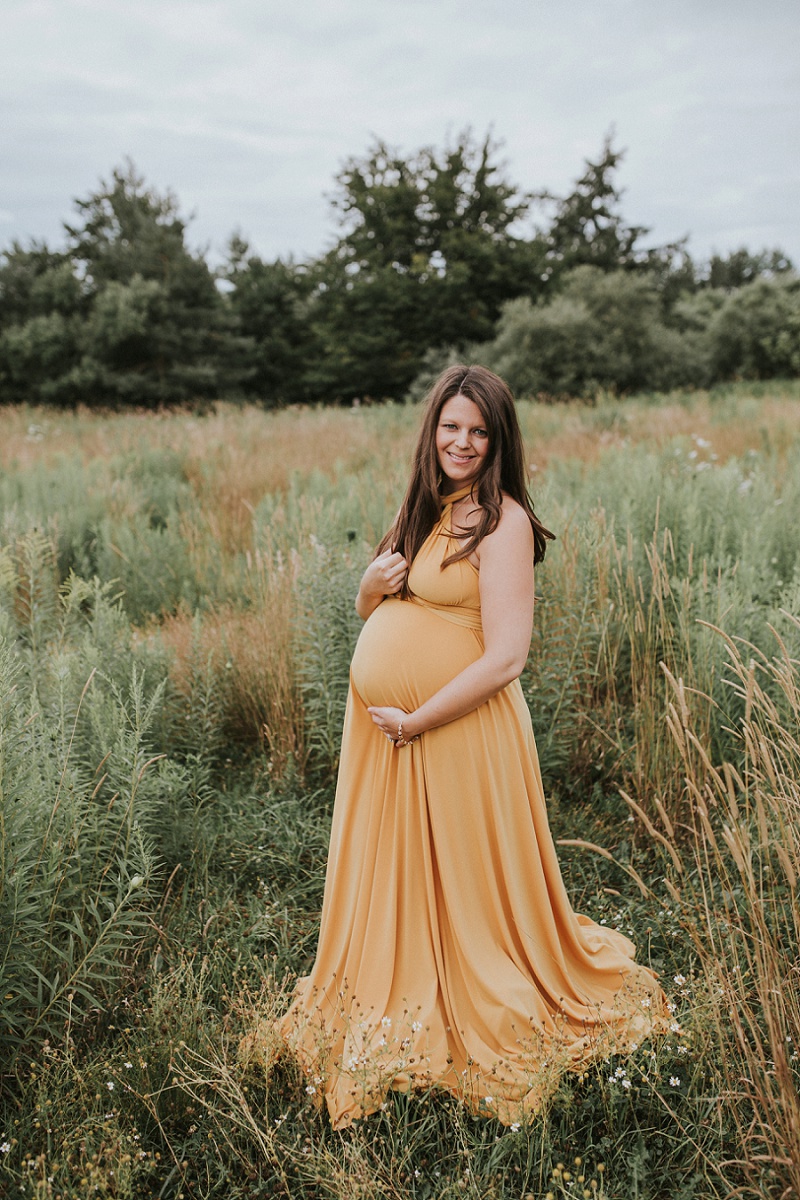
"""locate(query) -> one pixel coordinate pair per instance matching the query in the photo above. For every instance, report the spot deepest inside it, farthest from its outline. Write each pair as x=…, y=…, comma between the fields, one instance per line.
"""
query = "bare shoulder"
x=513, y=531
x=514, y=519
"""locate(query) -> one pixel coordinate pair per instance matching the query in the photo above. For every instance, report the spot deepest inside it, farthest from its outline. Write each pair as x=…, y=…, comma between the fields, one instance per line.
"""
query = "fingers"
x=391, y=558
x=390, y=571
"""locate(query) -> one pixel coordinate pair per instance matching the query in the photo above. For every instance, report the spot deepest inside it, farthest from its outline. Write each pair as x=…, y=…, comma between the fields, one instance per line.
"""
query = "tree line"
x=439, y=257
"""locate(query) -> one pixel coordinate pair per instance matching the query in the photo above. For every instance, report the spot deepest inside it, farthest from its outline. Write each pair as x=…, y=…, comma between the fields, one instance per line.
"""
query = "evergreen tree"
x=157, y=331
x=270, y=301
x=427, y=256
x=41, y=312
x=126, y=314
x=588, y=228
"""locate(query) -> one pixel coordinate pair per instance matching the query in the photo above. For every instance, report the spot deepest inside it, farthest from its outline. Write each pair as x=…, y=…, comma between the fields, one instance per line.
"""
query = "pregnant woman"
x=449, y=954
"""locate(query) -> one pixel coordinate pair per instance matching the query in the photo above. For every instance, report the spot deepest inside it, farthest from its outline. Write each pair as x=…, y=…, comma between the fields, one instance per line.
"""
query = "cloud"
x=246, y=108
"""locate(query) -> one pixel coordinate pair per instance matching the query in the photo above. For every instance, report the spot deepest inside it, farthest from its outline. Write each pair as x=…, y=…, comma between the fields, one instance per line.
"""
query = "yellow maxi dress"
x=449, y=954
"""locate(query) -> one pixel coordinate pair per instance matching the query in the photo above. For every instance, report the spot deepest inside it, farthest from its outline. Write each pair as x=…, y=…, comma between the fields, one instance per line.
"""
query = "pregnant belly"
x=406, y=653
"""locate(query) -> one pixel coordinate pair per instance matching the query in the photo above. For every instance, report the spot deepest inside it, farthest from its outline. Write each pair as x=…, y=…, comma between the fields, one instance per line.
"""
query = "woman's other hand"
x=384, y=576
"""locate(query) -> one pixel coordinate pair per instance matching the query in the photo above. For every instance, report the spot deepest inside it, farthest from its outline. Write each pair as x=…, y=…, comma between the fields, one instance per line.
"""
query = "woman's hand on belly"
x=388, y=719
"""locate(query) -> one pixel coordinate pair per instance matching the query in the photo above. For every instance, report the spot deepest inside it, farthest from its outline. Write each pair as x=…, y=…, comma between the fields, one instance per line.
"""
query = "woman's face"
x=462, y=443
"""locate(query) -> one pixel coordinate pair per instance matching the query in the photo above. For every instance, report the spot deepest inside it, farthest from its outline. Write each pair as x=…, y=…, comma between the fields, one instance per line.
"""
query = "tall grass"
x=734, y=877
x=176, y=624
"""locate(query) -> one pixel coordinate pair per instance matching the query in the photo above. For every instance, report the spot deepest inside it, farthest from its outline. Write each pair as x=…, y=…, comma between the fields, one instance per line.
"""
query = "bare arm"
x=383, y=577
x=506, y=591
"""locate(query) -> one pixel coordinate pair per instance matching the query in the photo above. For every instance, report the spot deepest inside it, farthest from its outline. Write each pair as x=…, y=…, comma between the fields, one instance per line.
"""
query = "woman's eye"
x=480, y=433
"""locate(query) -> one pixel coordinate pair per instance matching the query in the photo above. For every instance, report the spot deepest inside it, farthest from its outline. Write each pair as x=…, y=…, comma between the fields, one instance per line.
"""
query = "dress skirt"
x=449, y=954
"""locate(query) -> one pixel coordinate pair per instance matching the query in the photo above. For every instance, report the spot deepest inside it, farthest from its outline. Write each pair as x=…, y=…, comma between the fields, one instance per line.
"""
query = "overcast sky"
x=247, y=108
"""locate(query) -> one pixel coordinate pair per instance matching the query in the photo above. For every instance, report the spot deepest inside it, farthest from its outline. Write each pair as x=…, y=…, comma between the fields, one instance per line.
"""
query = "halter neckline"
x=459, y=494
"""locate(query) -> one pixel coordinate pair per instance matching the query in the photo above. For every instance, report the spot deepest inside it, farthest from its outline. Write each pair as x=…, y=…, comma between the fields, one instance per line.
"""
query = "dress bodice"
x=454, y=591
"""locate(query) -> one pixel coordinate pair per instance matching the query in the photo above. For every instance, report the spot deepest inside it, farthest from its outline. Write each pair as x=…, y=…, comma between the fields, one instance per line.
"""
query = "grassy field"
x=176, y=623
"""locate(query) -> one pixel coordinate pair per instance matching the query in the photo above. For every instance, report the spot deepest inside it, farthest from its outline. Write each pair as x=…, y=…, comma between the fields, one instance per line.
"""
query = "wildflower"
x=110, y=1086
x=674, y=1081
x=386, y=1022
x=128, y=1065
x=626, y=1083
x=679, y=979
x=675, y=1027
x=310, y=1089
x=646, y=1002
x=515, y=1128
x=5, y=1147
x=416, y=1026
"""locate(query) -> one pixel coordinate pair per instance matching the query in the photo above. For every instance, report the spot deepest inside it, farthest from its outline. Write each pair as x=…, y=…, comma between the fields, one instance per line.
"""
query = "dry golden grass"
x=576, y=431
x=737, y=885
x=248, y=650
x=244, y=451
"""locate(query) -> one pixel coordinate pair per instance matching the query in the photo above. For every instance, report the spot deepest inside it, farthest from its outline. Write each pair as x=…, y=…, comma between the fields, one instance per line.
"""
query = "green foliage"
x=606, y=330
x=734, y=270
x=127, y=315
x=327, y=638
x=437, y=254
x=756, y=334
x=587, y=228
x=603, y=330
x=426, y=258
x=76, y=863
x=271, y=302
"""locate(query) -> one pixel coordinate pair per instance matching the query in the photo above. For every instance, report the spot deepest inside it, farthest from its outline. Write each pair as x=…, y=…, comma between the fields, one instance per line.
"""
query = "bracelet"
x=401, y=740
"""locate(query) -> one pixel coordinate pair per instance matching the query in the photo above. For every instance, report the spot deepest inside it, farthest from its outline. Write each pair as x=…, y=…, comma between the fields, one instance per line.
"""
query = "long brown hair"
x=503, y=468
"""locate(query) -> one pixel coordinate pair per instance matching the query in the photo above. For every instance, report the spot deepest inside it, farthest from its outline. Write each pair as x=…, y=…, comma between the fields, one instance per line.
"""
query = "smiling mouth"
x=460, y=458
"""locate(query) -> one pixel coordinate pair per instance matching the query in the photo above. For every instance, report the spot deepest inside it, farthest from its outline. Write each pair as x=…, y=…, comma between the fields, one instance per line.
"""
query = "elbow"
x=508, y=668
x=515, y=669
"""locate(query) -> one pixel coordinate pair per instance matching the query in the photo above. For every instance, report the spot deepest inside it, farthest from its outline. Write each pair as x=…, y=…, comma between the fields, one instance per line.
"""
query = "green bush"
x=603, y=330
x=756, y=333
